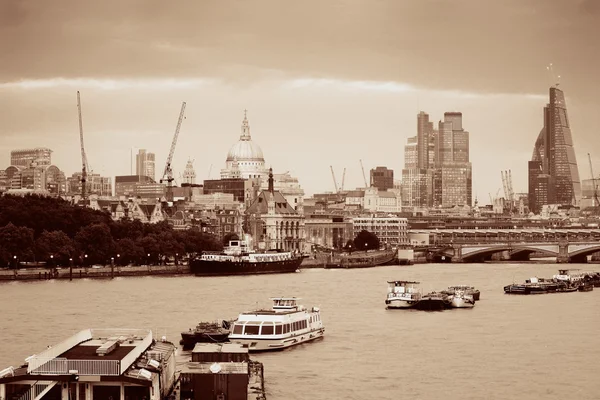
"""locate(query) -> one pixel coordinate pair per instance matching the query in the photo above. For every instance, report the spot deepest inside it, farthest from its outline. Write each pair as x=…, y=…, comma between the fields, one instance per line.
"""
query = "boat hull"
x=362, y=260
x=424, y=304
x=400, y=304
x=263, y=344
x=219, y=268
x=458, y=302
x=189, y=339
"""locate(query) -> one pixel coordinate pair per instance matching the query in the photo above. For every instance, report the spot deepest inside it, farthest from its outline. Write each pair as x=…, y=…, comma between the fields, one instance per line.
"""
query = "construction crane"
x=511, y=193
x=343, y=179
x=505, y=185
x=209, y=170
x=168, y=173
x=84, y=163
x=334, y=181
x=595, y=202
x=363, y=172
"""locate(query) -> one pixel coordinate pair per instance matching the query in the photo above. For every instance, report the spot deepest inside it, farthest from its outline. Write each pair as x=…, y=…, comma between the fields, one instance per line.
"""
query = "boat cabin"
x=403, y=287
x=285, y=304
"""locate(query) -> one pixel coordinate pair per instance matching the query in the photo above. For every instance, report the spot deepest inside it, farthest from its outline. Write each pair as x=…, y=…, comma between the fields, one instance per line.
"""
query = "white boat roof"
x=413, y=282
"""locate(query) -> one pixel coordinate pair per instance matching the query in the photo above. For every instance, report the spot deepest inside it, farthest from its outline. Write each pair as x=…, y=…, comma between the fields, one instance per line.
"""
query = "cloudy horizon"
x=324, y=83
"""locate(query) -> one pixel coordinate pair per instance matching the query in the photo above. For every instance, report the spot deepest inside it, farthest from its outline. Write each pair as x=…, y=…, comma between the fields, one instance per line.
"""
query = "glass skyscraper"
x=554, y=178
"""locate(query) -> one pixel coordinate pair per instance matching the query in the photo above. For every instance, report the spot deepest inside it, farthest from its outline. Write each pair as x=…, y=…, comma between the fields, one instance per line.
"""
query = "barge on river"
x=238, y=259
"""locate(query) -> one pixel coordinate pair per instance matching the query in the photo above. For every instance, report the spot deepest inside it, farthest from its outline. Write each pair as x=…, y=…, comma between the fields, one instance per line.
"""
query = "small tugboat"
x=285, y=325
x=460, y=299
x=586, y=287
x=468, y=290
x=206, y=332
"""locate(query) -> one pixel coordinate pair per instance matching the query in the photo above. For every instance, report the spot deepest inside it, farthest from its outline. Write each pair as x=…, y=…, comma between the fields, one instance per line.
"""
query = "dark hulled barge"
x=206, y=332
x=238, y=259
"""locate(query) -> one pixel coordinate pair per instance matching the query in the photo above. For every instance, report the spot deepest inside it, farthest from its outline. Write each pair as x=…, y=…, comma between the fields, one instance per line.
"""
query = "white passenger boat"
x=285, y=325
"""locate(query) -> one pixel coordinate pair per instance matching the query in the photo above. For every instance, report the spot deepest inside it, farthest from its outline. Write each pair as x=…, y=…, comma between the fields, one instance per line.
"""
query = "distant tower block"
x=189, y=175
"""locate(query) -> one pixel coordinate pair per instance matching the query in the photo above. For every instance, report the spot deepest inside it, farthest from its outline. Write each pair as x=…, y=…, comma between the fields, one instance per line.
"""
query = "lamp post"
x=15, y=258
x=51, y=260
x=148, y=259
x=176, y=259
x=112, y=267
x=70, y=269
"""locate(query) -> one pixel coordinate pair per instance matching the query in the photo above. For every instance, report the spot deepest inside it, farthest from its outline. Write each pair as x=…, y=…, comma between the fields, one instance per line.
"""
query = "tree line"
x=43, y=229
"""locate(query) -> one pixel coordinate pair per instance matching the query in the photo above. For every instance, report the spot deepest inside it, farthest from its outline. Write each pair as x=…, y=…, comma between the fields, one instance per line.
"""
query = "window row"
x=268, y=328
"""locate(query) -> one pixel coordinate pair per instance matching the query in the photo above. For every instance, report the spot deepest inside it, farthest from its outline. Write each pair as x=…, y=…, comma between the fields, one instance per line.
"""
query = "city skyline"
x=317, y=98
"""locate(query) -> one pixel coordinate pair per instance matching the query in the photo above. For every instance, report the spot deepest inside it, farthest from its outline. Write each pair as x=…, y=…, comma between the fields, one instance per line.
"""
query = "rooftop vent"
x=144, y=373
x=107, y=348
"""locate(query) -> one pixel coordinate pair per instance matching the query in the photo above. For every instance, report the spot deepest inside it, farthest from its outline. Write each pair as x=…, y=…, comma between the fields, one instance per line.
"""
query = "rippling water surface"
x=528, y=347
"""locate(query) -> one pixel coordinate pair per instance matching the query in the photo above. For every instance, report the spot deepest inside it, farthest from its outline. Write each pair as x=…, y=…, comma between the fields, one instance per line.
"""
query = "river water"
x=527, y=347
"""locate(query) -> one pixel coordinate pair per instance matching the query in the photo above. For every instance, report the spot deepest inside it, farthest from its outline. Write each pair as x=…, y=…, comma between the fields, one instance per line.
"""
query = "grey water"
x=508, y=346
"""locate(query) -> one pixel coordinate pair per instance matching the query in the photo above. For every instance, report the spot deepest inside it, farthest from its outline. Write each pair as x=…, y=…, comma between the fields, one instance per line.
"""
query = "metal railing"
x=36, y=361
x=36, y=390
x=62, y=366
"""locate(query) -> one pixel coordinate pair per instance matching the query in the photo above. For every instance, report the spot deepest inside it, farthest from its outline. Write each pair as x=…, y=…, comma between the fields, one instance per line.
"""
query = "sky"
x=325, y=83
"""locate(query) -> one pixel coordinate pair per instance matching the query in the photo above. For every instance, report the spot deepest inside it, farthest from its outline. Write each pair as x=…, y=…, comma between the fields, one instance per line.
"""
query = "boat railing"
x=36, y=361
x=63, y=366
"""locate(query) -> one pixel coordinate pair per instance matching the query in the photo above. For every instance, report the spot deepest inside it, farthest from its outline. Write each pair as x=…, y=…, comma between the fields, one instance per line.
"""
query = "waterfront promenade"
x=106, y=272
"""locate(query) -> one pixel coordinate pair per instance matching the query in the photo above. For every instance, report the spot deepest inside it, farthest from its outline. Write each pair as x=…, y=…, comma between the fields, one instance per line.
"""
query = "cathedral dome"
x=245, y=149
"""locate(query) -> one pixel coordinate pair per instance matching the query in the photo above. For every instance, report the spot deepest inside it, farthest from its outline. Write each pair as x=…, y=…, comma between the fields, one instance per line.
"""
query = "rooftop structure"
x=95, y=363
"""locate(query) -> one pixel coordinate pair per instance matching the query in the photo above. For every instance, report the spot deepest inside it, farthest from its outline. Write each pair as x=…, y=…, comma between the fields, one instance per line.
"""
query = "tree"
x=15, y=241
x=56, y=244
x=97, y=242
x=228, y=237
x=129, y=251
x=366, y=240
x=349, y=246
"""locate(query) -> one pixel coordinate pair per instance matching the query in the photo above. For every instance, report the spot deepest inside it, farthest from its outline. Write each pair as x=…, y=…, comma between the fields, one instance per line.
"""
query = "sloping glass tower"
x=553, y=173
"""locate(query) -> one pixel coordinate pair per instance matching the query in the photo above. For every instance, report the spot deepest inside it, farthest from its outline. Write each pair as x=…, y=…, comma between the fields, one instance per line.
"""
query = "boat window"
x=267, y=329
x=238, y=328
x=278, y=329
x=251, y=330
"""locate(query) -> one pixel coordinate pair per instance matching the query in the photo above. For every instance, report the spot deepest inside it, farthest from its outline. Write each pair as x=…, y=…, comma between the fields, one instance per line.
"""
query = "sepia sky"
x=325, y=82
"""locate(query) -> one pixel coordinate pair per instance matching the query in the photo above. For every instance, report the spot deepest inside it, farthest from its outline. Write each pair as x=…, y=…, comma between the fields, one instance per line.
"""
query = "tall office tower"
x=382, y=178
x=410, y=153
x=23, y=158
x=452, y=179
x=144, y=164
x=424, y=132
x=554, y=152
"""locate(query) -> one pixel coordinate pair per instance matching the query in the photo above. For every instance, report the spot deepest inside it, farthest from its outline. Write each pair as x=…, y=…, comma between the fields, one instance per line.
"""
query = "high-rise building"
x=437, y=170
x=145, y=164
x=555, y=155
x=382, y=178
x=42, y=156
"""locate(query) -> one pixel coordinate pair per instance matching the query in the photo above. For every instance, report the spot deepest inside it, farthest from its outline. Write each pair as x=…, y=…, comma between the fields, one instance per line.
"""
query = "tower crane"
x=363, y=172
x=168, y=173
x=84, y=163
x=595, y=188
x=504, y=185
x=343, y=179
x=334, y=181
x=511, y=193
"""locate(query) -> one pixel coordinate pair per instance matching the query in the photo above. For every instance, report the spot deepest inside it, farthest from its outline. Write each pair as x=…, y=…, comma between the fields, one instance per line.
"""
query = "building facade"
x=555, y=153
x=42, y=156
x=145, y=164
x=392, y=231
x=382, y=178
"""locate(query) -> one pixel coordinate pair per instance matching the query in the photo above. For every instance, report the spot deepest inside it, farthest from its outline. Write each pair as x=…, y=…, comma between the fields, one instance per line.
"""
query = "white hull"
x=260, y=343
x=458, y=302
x=401, y=303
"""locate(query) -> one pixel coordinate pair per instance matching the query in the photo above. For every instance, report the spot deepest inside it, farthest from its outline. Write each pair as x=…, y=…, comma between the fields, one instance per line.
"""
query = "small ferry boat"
x=285, y=325
x=206, y=332
x=468, y=290
x=403, y=294
x=460, y=299
x=238, y=259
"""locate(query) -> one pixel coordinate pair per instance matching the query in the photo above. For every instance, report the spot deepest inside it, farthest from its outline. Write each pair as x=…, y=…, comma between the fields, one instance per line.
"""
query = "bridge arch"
x=479, y=253
x=583, y=250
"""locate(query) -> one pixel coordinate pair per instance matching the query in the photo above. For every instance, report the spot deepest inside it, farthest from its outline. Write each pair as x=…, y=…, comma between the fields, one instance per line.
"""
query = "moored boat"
x=585, y=287
x=286, y=324
x=460, y=299
x=238, y=259
x=403, y=294
x=533, y=286
x=206, y=332
x=468, y=290
x=361, y=260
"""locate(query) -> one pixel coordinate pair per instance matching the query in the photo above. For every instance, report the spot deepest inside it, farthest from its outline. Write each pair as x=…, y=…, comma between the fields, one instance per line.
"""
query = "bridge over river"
x=473, y=245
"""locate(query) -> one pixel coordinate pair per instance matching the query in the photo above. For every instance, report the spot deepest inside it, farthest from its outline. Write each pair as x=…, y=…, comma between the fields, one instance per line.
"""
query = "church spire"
x=245, y=127
x=271, y=180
